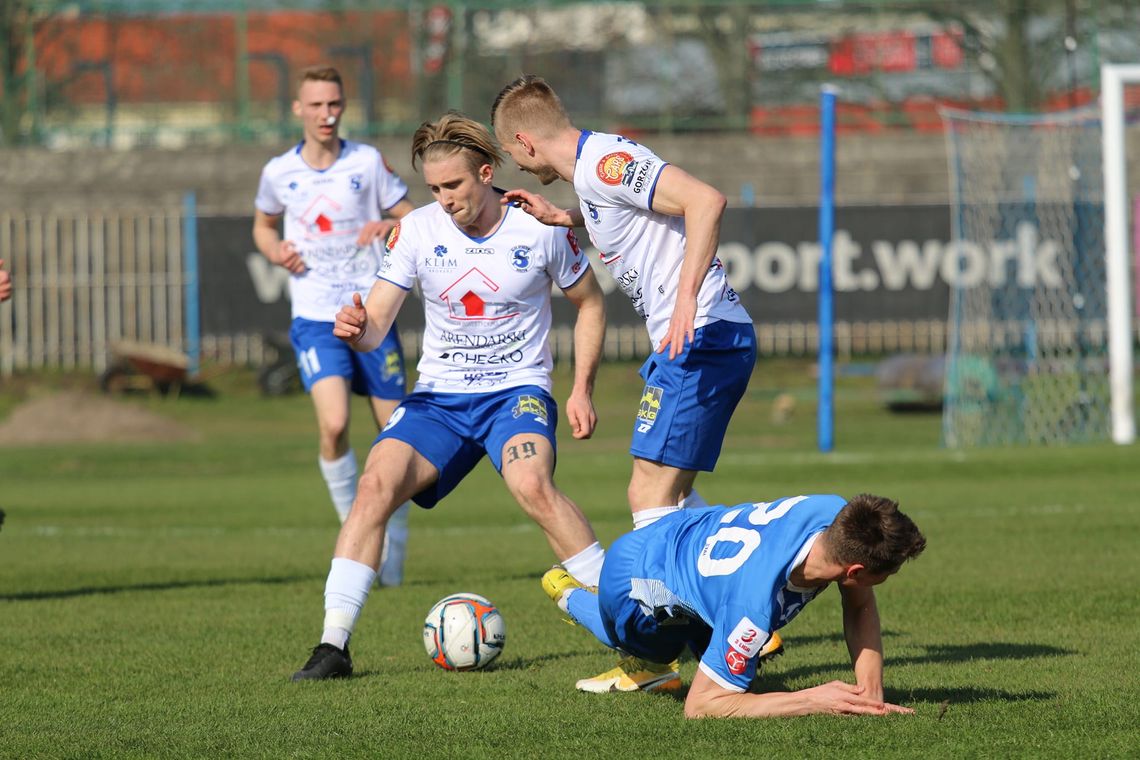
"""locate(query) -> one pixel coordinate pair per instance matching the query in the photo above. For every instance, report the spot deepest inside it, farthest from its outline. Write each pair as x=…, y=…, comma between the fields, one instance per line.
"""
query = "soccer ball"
x=464, y=632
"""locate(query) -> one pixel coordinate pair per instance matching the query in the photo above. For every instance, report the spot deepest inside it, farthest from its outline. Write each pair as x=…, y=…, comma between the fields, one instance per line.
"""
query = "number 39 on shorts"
x=746, y=539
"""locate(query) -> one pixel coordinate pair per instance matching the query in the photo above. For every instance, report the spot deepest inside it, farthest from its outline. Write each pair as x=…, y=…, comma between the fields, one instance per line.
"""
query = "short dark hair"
x=871, y=531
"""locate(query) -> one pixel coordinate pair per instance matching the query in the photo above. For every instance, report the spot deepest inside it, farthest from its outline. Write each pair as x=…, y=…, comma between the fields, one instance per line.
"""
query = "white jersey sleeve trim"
x=718, y=680
x=398, y=285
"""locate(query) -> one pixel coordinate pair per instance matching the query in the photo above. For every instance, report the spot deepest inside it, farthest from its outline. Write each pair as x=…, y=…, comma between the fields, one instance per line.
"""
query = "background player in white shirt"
x=722, y=580
x=485, y=271
x=332, y=194
x=657, y=229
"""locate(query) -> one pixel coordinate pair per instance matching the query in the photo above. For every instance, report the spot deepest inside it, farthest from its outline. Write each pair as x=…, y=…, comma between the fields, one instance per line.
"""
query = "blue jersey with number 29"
x=729, y=567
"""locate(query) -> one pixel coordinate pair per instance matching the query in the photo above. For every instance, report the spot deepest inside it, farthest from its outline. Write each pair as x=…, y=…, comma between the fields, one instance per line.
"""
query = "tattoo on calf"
x=526, y=451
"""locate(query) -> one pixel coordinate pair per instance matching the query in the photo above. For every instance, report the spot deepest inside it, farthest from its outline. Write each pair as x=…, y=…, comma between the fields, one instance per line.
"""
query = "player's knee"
x=375, y=498
x=535, y=493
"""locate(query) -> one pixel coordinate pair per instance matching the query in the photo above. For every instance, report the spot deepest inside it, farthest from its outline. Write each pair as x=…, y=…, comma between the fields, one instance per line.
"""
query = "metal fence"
x=87, y=282
x=173, y=72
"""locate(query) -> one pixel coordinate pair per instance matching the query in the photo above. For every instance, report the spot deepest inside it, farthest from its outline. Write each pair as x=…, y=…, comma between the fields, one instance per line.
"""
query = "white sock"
x=692, y=501
x=643, y=518
x=586, y=565
x=346, y=590
x=395, y=547
x=340, y=475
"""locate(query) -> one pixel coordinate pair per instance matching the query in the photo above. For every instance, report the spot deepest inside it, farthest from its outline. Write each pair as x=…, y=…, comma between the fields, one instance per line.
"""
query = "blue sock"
x=587, y=612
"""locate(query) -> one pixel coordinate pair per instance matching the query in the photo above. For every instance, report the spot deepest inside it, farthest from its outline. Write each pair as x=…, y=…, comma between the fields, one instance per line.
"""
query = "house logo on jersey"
x=531, y=405
x=471, y=297
x=611, y=169
x=747, y=637
x=649, y=407
x=323, y=218
x=520, y=258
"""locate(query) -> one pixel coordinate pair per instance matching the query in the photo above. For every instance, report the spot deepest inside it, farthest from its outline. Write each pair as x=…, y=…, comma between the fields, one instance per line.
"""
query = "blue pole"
x=190, y=280
x=825, y=417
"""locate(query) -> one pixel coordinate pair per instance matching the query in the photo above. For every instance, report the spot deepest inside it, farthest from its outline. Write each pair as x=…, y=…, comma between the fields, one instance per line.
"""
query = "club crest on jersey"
x=393, y=236
x=747, y=637
x=520, y=258
x=649, y=407
x=611, y=169
x=356, y=181
x=530, y=405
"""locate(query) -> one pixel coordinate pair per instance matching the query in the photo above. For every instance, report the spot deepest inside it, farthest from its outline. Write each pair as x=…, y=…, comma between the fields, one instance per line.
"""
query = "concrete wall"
x=893, y=169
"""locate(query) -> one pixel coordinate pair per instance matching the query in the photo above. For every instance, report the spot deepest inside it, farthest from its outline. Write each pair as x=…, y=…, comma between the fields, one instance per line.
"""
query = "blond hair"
x=320, y=74
x=530, y=104
x=455, y=133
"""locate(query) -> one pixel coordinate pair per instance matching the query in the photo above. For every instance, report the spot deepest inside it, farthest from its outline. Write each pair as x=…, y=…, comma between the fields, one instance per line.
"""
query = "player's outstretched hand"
x=5, y=283
x=286, y=255
x=839, y=698
x=538, y=207
x=351, y=321
x=680, y=327
x=581, y=415
x=373, y=231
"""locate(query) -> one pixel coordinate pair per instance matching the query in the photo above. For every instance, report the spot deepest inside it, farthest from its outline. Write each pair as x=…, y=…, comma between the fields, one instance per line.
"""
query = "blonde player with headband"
x=485, y=270
x=332, y=194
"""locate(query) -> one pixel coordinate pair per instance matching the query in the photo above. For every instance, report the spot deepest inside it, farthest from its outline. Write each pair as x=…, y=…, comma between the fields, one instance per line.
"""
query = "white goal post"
x=1113, y=78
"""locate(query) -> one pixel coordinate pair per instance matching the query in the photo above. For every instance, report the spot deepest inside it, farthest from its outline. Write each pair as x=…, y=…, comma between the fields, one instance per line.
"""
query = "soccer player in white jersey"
x=656, y=228
x=722, y=580
x=333, y=194
x=485, y=272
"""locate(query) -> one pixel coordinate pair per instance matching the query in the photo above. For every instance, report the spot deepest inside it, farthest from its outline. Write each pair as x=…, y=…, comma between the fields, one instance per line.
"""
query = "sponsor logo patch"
x=530, y=405
x=611, y=169
x=747, y=637
x=737, y=663
x=650, y=405
x=393, y=236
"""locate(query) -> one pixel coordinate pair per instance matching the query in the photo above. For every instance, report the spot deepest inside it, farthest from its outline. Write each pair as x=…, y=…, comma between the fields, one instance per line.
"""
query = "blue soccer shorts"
x=454, y=430
x=320, y=354
x=688, y=401
x=626, y=625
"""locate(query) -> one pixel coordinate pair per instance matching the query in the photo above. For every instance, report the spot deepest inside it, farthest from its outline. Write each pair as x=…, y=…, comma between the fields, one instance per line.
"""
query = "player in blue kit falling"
x=656, y=228
x=723, y=580
x=332, y=194
x=485, y=272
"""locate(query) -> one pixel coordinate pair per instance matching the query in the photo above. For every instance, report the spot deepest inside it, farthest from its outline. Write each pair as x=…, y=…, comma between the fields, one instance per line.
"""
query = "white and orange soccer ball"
x=464, y=632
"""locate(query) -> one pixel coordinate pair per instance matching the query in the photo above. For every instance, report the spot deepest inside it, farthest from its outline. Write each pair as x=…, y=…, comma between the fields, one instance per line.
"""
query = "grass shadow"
x=73, y=593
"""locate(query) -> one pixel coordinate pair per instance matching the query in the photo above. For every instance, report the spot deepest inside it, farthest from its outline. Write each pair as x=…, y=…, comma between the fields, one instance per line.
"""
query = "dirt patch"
x=81, y=417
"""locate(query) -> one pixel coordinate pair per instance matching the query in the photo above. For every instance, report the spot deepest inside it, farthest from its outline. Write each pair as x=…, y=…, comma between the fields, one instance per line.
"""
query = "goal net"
x=1028, y=327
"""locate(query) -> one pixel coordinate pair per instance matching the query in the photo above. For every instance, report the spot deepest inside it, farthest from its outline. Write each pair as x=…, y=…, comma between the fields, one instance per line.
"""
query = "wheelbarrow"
x=147, y=367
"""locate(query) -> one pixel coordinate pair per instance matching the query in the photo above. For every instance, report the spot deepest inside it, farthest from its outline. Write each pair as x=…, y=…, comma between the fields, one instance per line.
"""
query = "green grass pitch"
x=155, y=598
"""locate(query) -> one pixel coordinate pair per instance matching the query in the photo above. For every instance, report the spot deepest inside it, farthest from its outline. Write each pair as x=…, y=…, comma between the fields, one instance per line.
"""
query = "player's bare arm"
x=589, y=332
x=373, y=231
x=707, y=699
x=364, y=324
x=267, y=238
x=543, y=210
x=678, y=193
x=864, y=639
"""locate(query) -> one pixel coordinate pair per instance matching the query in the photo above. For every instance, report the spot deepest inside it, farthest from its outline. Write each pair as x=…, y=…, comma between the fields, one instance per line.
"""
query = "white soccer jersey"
x=324, y=212
x=615, y=178
x=486, y=300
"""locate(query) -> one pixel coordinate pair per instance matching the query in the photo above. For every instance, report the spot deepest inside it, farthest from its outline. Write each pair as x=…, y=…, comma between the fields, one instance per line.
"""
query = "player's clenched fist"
x=285, y=254
x=351, y=321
